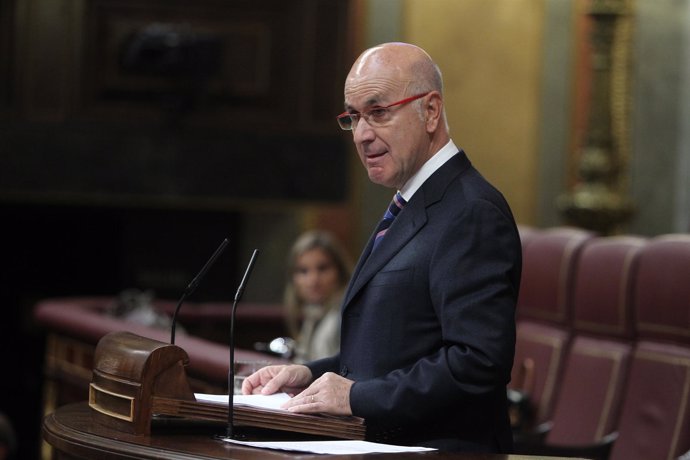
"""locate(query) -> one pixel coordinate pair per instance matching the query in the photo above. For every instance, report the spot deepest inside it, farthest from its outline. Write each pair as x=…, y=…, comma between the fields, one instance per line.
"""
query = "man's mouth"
x=374, y=156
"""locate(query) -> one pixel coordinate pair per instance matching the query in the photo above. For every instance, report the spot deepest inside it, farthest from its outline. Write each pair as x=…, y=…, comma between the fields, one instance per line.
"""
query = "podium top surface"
x=70, y=430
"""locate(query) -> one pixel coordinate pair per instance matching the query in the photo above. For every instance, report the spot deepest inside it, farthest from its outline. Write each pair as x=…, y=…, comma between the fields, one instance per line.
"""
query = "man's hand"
x=329, y=394
x=290, y=379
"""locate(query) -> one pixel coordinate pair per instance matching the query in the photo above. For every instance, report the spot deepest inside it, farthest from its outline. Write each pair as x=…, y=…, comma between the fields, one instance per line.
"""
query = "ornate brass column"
x=598, y=201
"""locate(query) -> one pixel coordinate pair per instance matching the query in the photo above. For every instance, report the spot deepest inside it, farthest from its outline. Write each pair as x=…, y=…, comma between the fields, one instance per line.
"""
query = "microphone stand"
x=193, y=284
x=231, y=371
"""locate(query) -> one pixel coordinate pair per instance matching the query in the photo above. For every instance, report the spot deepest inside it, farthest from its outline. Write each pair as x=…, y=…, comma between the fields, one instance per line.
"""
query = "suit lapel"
x=406, y=225
x=410, y=220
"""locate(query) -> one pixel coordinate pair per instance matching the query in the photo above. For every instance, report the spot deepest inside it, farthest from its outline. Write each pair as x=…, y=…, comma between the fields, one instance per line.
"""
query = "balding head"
x=407, y=64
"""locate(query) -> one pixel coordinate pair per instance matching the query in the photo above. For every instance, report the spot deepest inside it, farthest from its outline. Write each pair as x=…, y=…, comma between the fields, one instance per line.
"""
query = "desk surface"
x=72, y=433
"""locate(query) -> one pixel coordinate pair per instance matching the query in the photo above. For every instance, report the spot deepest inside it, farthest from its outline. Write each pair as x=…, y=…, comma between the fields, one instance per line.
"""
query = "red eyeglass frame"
x=400, y=102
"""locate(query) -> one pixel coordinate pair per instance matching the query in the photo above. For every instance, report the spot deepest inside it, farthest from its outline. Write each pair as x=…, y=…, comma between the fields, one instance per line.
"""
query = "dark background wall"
x=136, y=134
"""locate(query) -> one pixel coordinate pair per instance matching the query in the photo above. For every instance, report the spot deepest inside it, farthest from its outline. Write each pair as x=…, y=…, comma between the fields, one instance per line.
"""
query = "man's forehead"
x=374, y=92
x=364, y=99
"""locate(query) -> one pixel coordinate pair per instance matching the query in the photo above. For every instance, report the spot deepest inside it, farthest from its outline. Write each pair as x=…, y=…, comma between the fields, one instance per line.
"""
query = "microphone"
x=231, y=371
x=193, y=285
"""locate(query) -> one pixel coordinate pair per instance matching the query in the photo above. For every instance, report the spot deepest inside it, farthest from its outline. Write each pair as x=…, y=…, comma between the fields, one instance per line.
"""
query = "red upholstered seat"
x=655, y=416
x=543, y=312
x=84, y=319
x=548, y=264
x=540, y=351
x=527, y=234
x=596, y=367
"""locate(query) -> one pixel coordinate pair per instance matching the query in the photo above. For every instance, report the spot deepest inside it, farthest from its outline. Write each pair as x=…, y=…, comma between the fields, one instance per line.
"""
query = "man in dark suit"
x=428, y=319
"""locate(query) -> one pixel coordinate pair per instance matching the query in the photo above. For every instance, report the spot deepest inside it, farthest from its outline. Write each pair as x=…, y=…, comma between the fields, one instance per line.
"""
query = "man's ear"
x=433, y=111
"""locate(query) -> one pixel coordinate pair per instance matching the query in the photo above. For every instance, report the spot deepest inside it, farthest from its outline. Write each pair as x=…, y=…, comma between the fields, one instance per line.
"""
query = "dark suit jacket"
x=428, y=326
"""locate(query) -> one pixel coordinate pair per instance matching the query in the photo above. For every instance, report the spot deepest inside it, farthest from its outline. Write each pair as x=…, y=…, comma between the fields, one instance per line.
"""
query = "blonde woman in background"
x=318, y=272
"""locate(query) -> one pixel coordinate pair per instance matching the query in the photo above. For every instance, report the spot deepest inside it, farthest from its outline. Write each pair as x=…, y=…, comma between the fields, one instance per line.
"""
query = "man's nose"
x=362, y=131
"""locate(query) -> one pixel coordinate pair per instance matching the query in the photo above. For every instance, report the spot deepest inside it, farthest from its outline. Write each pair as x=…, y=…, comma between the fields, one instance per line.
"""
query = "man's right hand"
x=290, y=378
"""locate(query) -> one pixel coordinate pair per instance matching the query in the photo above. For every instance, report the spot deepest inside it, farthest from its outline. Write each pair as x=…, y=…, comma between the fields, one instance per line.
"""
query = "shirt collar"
x=427, y=169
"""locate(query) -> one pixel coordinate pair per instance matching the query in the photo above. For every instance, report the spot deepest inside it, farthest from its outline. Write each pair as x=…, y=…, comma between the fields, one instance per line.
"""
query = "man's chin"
x=377, y=177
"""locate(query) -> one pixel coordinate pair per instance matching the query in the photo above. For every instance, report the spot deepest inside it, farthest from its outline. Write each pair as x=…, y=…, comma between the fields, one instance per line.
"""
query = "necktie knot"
x=393, y=210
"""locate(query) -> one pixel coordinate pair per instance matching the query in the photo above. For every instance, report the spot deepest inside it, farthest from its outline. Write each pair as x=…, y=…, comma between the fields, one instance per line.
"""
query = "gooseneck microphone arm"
x=193, y=285
x=231, y=370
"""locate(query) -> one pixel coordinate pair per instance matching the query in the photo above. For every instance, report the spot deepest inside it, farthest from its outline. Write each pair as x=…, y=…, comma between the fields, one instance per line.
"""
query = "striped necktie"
x=392, y=211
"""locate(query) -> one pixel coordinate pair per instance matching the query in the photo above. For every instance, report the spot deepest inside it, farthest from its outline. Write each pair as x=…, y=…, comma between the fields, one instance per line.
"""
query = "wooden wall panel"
x=204, y=103
x=6, y=53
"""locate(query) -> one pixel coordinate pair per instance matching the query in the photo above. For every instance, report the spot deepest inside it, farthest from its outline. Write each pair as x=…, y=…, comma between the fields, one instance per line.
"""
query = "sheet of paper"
x=331, y=447
x=273, y=401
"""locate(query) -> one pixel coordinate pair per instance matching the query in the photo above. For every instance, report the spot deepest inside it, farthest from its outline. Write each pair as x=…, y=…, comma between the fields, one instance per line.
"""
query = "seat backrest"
x=548, y=264
x=603, y=287
x=527, y=234
x=655, y=416
x=539, y=354
x=543, y=316
x=597, y=361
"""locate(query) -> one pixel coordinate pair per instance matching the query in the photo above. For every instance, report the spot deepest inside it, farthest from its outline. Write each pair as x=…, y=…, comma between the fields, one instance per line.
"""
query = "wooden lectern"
x=136, y=379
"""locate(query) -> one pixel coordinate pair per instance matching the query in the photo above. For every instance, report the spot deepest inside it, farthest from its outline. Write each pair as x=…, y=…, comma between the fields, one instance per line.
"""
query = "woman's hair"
x=314, y=239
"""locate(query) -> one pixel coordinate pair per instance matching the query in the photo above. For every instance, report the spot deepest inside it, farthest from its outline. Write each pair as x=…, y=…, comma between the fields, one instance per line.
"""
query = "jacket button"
x=344, y=371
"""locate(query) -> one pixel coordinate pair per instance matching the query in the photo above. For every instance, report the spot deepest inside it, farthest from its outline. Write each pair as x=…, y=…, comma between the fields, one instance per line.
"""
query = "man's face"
x=393, y=151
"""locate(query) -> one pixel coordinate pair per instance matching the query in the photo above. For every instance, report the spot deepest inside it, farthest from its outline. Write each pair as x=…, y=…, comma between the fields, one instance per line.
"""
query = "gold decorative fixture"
x=598, y=201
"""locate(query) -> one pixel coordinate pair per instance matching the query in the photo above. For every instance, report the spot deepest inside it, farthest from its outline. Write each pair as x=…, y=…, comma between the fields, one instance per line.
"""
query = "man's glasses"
x=375, y=116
